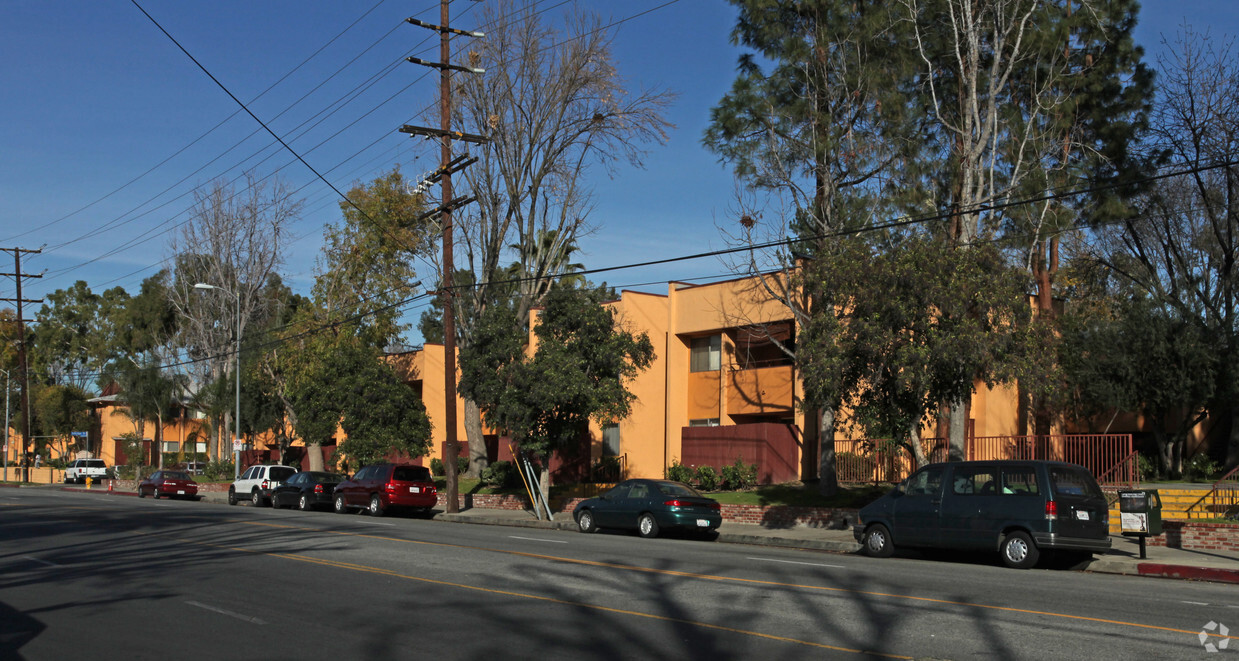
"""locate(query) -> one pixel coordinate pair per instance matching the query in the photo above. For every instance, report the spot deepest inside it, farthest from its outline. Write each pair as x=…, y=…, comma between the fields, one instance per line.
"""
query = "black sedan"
x=649, y=506
x=173, y=484
x=306, y=490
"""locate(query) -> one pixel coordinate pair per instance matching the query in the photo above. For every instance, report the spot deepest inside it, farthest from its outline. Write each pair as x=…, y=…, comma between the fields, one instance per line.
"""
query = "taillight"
x=318, y=488
x=265, y=485
x=675, y=502
x=1051, y=510
x=389, y=486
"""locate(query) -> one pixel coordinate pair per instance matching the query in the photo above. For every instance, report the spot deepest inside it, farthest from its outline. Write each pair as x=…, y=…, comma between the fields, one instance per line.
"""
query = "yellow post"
x=88, y=481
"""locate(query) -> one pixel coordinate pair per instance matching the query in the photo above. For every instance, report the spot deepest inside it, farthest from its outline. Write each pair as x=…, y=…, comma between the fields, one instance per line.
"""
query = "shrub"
x=1146, y=466
x=740, y=475
x=218, y=469
x=436, y=467
x=1201, y=467
x=499, y=475
x=679, y=472
x=707, y=478
x=462, y=465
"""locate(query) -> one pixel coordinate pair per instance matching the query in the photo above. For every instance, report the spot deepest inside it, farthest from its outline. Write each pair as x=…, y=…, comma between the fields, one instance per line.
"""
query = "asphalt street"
x=87, y=577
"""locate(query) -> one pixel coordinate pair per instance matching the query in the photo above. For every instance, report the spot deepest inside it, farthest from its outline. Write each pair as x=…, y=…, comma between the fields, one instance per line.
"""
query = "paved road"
x=87, y=577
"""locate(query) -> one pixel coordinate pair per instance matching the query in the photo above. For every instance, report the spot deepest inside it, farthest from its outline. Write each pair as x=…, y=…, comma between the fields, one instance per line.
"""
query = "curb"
x=1188, y=573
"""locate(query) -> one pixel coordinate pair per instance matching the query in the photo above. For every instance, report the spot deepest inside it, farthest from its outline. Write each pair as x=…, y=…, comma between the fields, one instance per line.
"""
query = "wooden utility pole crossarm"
x=23, y=373
x=448, y=165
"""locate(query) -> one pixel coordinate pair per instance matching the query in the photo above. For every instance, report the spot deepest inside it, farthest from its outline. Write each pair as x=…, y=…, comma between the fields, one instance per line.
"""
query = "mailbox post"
x=1140, y=515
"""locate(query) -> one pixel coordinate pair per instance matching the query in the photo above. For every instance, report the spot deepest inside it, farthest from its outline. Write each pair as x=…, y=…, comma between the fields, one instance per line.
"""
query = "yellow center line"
x=521, y=595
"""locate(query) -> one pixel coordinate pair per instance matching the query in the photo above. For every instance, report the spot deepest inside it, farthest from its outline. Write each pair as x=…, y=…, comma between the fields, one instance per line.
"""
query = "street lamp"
x=236, y=422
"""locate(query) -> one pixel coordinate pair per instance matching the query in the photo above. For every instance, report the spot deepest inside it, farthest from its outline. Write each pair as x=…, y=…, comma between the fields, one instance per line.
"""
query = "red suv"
x=381, y=487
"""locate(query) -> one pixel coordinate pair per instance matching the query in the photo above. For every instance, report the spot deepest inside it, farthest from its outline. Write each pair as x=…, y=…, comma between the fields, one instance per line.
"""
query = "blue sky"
x=97, y=103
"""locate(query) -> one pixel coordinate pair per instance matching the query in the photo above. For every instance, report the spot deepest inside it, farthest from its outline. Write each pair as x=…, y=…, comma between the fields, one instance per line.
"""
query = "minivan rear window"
x=94, y=463
x=1071, y=481
x=411, y=474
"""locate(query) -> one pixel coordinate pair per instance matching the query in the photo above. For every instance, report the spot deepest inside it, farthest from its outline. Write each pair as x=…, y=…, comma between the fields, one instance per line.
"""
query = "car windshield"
x=94, y=463
x=676, y=489
x=175, y=475
x=411, y=474
x=318, y=476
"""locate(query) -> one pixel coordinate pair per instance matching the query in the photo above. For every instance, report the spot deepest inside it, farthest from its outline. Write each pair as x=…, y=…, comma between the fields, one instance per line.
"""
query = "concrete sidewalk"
x=1123, y=557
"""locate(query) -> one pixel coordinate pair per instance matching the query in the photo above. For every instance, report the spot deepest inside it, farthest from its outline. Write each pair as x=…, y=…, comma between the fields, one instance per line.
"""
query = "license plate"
x=181, y=492
x=415, y=489
x=1082, y=515
x=702, y=523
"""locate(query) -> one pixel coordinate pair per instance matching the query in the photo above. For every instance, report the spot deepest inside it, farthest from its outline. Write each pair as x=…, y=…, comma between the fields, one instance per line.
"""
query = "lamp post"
x=236, y=422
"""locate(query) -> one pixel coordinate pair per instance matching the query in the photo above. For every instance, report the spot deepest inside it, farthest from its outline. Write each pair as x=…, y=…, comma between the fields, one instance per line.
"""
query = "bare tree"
x=553, y=107
x=232, y=241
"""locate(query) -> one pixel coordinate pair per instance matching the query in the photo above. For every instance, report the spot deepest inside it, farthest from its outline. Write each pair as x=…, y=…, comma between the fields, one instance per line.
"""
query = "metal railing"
x=1221, y=500
x=1111, y=457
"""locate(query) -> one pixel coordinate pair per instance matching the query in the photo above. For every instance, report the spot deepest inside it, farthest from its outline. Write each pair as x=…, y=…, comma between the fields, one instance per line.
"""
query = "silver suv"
x=257, y=483
x=80, y=469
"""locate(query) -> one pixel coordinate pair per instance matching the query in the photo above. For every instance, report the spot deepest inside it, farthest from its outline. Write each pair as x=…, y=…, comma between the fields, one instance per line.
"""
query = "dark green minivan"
x=1018, y=508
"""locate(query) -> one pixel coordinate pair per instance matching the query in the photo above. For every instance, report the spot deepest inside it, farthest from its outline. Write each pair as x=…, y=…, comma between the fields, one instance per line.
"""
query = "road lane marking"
x=794, y=562
x=221, y=611
x=42, y=562
x=1195, y=603
x=376, y=523
x=535, y=539
x=682, y=574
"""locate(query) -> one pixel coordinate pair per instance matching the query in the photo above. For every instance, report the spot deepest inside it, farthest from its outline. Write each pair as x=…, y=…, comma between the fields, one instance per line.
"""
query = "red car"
x=173, y=484
x=381, y=487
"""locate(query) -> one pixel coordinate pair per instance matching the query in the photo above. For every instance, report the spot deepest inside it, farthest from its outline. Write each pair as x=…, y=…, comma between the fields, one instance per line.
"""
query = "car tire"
x=155, y=493
x=256, y=498
x=141, y=493
x=1018, y=550
x=585, y=520
x=304, y=503
x=877, y=542
x=232, y=496
x=341, y=506
x=646, y=525
x=376, y=506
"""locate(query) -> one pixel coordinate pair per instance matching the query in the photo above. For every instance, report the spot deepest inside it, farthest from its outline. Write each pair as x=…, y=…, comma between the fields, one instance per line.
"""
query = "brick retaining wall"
x=1197, y=536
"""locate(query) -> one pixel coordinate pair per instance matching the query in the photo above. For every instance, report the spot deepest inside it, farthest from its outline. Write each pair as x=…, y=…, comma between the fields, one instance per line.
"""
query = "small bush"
x=679, y=472
x=1201, y=467
x=462, y=465
x=218, y=470
x=499, y=475
x=740, y=475
x=436, y=467
x=707, y=478
x=1146, y=466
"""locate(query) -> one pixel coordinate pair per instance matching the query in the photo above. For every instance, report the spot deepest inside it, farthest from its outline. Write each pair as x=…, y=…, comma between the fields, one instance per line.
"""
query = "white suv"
x=80, y=469
x=257, y=483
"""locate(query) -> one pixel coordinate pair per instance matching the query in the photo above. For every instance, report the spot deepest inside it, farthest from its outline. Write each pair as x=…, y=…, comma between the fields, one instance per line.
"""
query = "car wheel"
x=232, y=496
x=877, y=542
x=647, y=526
x=376, y=506
x=1019, y=551
x=341, y=508
x=155, y=493
x=256, y=498
x=586, y=521
x=304, y=503
x=141, y=493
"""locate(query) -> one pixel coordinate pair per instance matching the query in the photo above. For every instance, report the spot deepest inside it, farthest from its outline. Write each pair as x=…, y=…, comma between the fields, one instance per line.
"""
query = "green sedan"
x=649, y=507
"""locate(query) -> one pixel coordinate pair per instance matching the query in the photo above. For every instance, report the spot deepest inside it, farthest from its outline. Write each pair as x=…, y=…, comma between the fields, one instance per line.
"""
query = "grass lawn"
x=803, y=495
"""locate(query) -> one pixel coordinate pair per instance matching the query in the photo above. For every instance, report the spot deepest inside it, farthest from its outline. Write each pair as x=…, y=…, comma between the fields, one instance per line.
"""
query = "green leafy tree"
x=1132, y=355
x=58, y=411
x=75, y=335
x=151, y=394
x=579, y=371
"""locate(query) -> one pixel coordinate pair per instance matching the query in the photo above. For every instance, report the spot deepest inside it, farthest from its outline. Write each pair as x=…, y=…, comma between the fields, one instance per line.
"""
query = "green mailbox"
x=1140, y=513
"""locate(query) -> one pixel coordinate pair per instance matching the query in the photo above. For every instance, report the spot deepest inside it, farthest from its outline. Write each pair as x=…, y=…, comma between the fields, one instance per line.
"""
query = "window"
x=170, y=446
x=925, y=483
x=1019, y=481
x=411, y=474
x=975, y=482
x=704, y=353
x=610, y=441
x=703, y=422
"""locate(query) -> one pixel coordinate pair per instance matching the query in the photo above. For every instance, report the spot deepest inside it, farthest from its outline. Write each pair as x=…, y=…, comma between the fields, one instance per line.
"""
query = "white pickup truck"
x=80, y=469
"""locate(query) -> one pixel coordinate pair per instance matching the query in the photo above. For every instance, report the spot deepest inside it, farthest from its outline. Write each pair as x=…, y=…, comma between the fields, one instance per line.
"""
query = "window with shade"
x=705, y=353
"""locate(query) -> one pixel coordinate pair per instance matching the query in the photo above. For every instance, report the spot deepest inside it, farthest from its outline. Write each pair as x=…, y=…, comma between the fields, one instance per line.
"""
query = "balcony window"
x=704, y=353
x=611, y=441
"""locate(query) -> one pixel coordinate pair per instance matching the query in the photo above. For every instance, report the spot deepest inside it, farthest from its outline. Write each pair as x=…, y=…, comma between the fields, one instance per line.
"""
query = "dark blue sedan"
x=649, y=507
x=306, y=490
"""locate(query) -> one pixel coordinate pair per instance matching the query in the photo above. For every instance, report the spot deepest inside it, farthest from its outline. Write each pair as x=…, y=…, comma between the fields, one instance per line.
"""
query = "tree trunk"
x=315, y=450
x=478, y=458
x=828, y=480
x=159, y=439
x=914, y=444
x=1232, y=448
x=957, y=428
